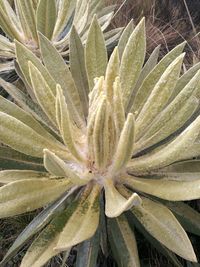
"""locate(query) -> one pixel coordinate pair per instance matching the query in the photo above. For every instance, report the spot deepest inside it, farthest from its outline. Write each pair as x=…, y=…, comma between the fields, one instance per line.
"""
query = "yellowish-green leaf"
x=116, y=204
x=13, y=110
x=162, y=224
x=125, y=37
x=8, y=21
x=62, y=75
x=21, y=137
x=153, y=77
x=24, y=55
x=159, y=96
x=173, y=190
x=182, y=147
x=101, y=135
x=27, y=17
x=9, y=176
x=46, y=17
x=123, y=242
x=95, y=53
x=83, y=223
x=112, y=72
x=65, y=125
x=132, y=61
x=58, y=167
x=125, y=146
x=78, y=68
x=27, y=195
x=119, y=113
x=43, y=93
x=65, y=9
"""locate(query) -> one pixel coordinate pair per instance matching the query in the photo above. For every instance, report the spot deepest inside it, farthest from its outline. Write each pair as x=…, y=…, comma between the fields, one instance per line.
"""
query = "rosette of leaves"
x=54, y=19
x=115, y=137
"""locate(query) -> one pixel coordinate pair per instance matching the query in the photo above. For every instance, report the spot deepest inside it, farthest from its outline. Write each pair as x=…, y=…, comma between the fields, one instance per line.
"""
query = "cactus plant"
x=118, y=140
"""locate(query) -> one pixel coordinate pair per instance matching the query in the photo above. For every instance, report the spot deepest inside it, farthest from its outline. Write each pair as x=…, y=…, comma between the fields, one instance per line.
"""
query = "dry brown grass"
x=167, y=22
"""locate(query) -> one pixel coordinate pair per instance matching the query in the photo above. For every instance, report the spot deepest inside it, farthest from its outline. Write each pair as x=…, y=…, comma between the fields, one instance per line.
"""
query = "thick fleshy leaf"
x=153, y=77
x=24, y=55
x=65, y=125
x=39, y=222
x=187, y=216
x=159, y=96
x=88, y=251
x=125, y=145
x=9, y=176
x=78, y=68
x=123, y=242
x=43, y=93
x=46, y=17
x=185, y=79
x=8, y=21
x=62, y=75
x=132, y=61
x=112, y=71
x=11, y=159
x=116, y=204
x=42, y=249
x=13, y=110
x=27, y=17
x=58, y=167
x=27, y=195
x=162, y=225
x=182, y=147
x=125, y=37
x=22, y=138
x=119, y=113
x=83, y=223
x=101, y=135
x=133, y=222
x=148, y=67
x=95, y=53
x=166, y=189
x=65, y=9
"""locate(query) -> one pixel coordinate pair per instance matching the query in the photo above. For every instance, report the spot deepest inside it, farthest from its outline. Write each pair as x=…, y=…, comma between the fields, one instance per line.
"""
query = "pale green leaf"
x=182, y=147
x=38, y=223
x=116, y=204
x=162, y=225
x=159, y=96
x=24, y=55
x=27, y=18
x=22, y=138
x=9, y=176
x=101, y=135
x=78, y=68
x=125, y=145
x=65, y=9
x=112, y=72
x=125, y=37
x=46, y=17
x=123, y=242
x=65, y=125
x=58, y=167
x=166, y=189
x=83, y=223
x=11, y=159
x=95, y=53
x=27, y=195
x=132, y=61
x=153, y=77
x=43, y=93
x=62, y=75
